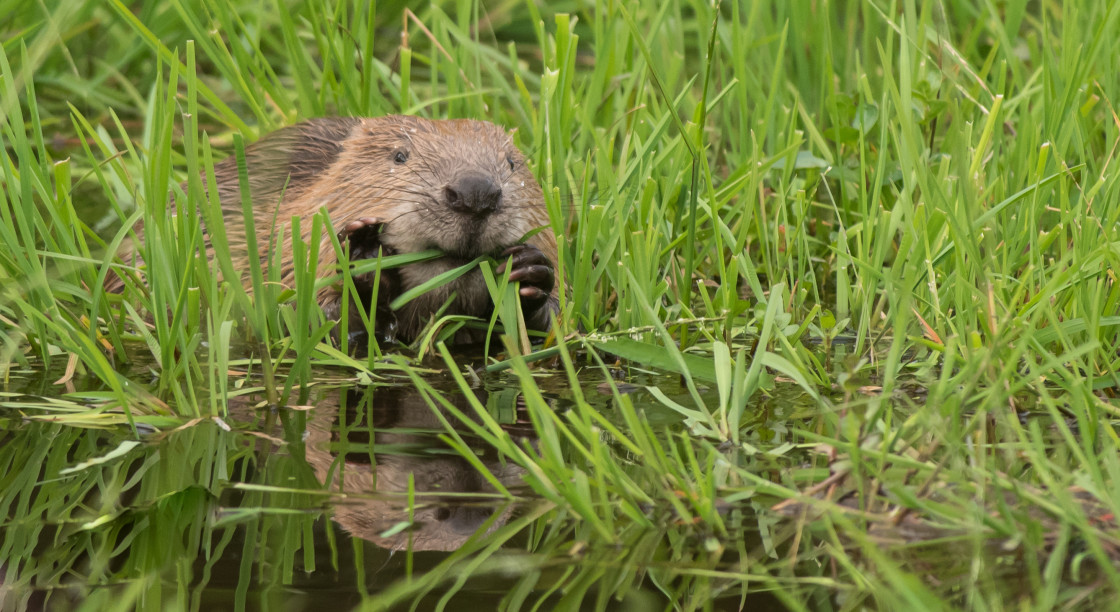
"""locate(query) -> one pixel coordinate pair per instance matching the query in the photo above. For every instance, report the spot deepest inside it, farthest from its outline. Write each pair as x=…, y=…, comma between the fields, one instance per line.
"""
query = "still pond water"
x=358, y=499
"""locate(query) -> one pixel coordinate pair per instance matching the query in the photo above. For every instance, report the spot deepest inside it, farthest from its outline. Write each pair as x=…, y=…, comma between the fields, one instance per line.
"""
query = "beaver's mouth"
x=460, y=256
x=472, y=238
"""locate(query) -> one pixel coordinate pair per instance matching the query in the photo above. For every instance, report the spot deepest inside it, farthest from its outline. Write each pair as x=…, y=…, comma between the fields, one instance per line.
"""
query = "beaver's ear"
x=286, y=161
x=317, y=145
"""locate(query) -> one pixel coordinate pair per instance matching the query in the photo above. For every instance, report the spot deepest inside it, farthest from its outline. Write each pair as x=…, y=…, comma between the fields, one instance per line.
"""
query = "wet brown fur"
x=348, y=165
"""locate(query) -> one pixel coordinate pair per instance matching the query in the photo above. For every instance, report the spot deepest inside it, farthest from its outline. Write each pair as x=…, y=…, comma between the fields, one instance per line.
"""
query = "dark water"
x=360, y=499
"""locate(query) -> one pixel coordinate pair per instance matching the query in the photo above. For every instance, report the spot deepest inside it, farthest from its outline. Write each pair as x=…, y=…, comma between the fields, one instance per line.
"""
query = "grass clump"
x=875, y=242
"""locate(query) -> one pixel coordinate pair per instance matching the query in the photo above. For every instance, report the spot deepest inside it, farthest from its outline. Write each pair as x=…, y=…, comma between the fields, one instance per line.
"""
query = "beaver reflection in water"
x=398, y=184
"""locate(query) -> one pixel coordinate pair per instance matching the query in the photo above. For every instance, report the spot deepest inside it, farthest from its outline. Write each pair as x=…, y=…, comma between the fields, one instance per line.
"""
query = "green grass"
x=878, y=242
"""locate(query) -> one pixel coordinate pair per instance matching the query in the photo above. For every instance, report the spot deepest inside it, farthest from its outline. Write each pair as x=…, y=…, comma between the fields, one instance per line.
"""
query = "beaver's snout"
x=473, y=194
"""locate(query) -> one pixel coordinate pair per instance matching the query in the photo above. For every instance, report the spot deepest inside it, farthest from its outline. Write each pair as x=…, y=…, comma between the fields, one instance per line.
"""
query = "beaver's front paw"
x=530, y=267
x=364, y=237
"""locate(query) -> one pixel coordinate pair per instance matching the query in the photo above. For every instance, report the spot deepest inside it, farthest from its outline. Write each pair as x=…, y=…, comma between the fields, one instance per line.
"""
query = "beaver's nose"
x=475, y=194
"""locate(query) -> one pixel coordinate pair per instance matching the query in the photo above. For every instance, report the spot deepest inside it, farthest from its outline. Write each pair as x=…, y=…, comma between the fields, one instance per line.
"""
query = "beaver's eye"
x=400, y=157
x=512, y=164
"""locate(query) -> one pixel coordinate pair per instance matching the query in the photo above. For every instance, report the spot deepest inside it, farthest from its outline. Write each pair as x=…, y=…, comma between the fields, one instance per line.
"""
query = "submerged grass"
x=904, y=214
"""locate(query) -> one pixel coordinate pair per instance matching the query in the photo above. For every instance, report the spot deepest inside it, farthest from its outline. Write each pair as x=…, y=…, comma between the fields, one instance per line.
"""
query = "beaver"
x=399, y=184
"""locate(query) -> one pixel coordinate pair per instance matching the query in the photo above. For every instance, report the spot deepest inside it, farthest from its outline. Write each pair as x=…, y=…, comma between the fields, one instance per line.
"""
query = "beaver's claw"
x=530, y=267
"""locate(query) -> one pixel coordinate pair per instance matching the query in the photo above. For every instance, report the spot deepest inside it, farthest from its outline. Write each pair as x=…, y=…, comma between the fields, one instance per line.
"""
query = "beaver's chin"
x=473, y=241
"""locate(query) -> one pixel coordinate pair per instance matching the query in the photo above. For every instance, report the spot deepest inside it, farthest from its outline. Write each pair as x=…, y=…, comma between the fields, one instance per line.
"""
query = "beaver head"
x=459, y=186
